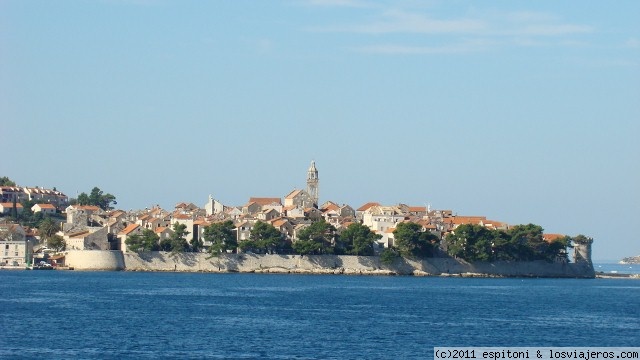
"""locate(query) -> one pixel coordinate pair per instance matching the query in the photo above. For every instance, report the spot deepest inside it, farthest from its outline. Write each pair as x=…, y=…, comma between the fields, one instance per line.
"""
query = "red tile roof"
x=265, y=201
x=116, y=213
x=46, y=206
x=459, y=220
x=367, y=206
x=552, y=237
x=279, y=222
x=10, y=188
x=493, y=223
x=331, y=207
x=160, y=229
x=87, y=207
x=293, y=194
x=127, y=230
x=10, y=205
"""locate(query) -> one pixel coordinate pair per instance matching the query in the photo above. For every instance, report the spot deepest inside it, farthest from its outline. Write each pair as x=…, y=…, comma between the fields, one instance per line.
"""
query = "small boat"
x=42, y=266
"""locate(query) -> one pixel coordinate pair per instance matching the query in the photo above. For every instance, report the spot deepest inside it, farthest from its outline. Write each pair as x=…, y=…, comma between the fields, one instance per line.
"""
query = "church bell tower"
x=312, y=182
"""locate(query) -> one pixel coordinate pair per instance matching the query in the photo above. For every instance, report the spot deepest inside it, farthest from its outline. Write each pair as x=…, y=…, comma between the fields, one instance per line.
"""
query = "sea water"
x=131, y=315
x=616, y=268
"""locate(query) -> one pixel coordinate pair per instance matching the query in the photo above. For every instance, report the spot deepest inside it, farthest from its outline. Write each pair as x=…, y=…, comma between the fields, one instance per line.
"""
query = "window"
x=16, y=253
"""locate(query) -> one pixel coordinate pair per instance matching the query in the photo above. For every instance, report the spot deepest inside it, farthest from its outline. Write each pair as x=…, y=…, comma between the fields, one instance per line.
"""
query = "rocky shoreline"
x=341, y=271
x=602, y=275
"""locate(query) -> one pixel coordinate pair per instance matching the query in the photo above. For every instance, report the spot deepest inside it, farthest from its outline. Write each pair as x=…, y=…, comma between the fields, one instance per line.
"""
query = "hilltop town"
x=298, y=223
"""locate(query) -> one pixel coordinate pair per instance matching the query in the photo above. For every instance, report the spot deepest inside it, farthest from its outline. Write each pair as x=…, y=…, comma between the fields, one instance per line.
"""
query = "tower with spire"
x=312, y=182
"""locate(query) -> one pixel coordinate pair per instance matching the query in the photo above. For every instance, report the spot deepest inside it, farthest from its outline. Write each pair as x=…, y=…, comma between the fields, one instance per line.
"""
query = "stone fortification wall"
x=325, y=264
x=449, y=266
x=97, y=240
x=332, y=264
x=94, y=260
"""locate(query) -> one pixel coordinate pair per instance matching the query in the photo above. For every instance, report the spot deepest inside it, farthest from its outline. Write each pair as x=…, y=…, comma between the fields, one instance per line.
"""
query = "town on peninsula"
x=44, y=229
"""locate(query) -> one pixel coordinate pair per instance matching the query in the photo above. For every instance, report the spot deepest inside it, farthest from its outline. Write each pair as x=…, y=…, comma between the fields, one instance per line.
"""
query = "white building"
x=47, y=209
x=15, y=249
x=213, y=207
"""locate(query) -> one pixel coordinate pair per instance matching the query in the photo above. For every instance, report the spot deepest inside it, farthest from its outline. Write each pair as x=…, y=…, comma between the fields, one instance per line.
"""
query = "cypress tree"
x=14, y=210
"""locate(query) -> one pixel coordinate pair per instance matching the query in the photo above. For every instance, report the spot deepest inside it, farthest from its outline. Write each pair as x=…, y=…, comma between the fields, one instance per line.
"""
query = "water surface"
x=67, y=314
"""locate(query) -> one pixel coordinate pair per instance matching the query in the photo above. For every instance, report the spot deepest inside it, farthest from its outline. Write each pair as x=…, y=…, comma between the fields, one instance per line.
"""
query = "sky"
x=520, y=111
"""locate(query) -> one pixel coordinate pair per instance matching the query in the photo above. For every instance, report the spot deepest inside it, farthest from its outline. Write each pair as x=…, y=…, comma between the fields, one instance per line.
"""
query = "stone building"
x=313, y=183
x=91, y=238
x=15, y=249
x=213, y=206
x=301, y=199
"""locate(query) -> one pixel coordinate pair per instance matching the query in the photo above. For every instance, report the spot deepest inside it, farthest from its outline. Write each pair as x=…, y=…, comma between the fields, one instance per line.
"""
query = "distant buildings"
x=91, y=228
x=9, y=194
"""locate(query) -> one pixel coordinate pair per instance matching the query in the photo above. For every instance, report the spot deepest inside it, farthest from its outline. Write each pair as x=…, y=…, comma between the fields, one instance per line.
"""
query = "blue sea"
x=134, y=315
x=615, y=268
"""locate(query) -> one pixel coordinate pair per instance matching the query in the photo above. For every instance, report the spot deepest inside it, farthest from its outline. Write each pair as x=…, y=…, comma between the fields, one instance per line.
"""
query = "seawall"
x=317, y=264
x=106, y=260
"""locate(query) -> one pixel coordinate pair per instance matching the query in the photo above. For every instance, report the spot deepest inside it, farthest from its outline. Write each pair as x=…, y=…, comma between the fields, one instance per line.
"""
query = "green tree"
x=581, y=239
x=471, y=242
x=358, y=239
x=528, y=242
x=48, y=228
x=317, y=238
x=196, y=244
x=56, y=242
x=97, y=198
x=5, y=181
x=264, y=237
x=14, y=209
x=411, y=241
x=147, y=241
x=520, y=243
x=557, y=248
x=388, y=256
x=166, y=245
x=134, y=243
x=100, y=199
x=221, y=237
x=27, y=217
x=307, y=247
x=178, y=238
x=83, y=199
x=503, y=247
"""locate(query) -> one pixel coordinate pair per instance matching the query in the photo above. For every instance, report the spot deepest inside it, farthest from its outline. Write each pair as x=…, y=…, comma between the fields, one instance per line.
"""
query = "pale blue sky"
x=518, y=110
